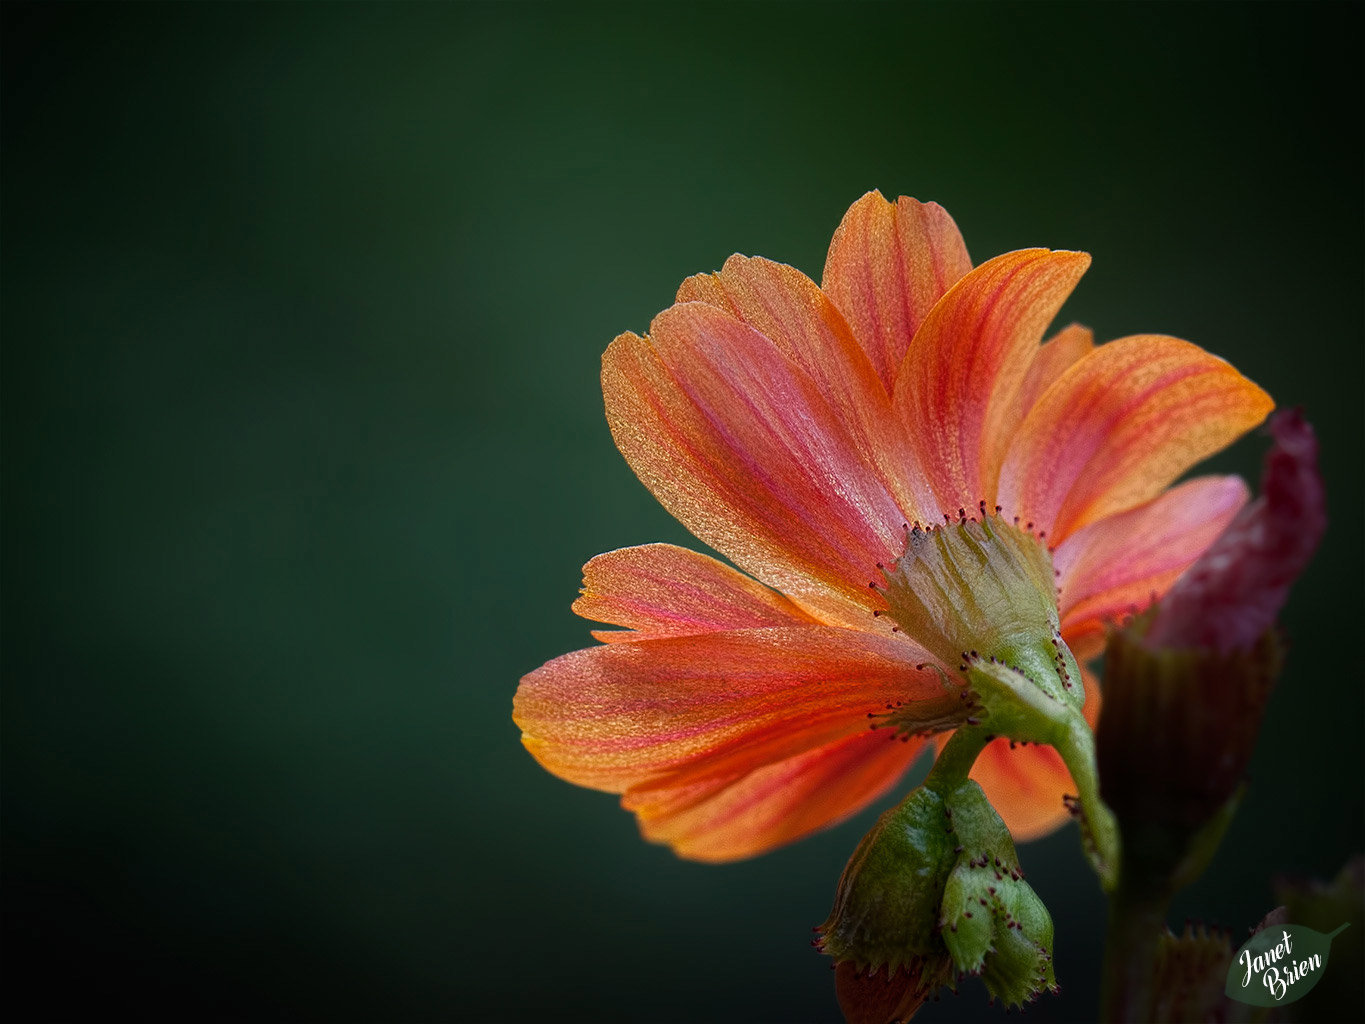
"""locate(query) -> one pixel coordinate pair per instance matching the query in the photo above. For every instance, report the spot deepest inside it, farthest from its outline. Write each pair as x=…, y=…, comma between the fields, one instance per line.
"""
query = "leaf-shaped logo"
x=1279, y=964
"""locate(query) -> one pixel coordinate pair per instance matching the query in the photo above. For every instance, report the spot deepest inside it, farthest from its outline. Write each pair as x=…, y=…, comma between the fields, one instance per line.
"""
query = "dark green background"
x=304, y=449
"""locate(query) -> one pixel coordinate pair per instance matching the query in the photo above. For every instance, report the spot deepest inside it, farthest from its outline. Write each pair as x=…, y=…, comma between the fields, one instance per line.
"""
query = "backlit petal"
x=1053, y=358
x=739, y=445
x=659, y=590
x=1026, y=784
x=1119, y=426
x=959, y=381
x=888, y=264
x=677, y=711
x=1117, y=566
x=728, y=819
x=787, y=307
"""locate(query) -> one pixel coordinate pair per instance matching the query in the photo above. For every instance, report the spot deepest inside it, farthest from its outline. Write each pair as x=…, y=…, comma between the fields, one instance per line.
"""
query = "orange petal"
x=677, y=711
x=1121, y=563
x=960, y=378
x=1026, y=784
x=740, y=446
x=728, y=819
x=661, y=590
x=788, y=309
x=888, y=264
x=1119, y=426
x=1053, y=358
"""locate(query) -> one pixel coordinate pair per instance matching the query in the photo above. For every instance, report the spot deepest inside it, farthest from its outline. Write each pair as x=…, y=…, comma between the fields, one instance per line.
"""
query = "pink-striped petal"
x=657, y=590
x=740, y=446
x=1119, y=426
x=1117, y=566
x=678, y=711
x=957, y=387
x=888, y=264
x=786, y=307
x=1056, y=355
x=729, y=819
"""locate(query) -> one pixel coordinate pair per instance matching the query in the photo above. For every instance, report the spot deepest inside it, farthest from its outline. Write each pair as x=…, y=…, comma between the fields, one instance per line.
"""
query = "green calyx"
x=983, y=589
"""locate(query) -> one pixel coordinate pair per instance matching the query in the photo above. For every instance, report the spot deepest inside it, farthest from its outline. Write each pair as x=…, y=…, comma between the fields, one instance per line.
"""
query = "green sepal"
x=1021, y=967
x=968, y=930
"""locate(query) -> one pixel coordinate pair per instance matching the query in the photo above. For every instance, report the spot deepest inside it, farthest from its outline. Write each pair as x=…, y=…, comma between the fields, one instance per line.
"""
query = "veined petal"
x=1121, y=563
x=790, y=310
x=659, y=590
x=1119, y=426
x=1053, y=358
x=959, y=380
x=677, y=711
x=739, y=445
x=1026, y=784
x=729, y=819
x=888, y=264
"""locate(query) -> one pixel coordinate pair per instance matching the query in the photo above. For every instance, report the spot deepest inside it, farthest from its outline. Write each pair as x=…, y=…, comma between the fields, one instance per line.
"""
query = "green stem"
x=1017, y=707
x=1137, y=919
x=1099, y=829
x=955, y=760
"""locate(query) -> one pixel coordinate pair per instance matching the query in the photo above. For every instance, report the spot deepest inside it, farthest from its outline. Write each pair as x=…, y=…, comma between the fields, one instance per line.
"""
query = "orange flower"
x=797, y=429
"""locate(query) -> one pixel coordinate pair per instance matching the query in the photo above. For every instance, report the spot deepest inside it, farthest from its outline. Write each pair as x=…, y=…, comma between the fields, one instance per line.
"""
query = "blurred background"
x=304, y=450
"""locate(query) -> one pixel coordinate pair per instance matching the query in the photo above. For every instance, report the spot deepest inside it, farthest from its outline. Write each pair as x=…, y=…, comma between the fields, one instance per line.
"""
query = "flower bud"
x=992, y=921
x=886, y=908
x=1186, y=684
x=932, y=893
x=1173, y=744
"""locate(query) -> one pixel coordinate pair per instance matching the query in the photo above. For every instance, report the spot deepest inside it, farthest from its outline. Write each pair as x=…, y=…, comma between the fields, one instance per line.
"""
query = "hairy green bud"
x=934, y=892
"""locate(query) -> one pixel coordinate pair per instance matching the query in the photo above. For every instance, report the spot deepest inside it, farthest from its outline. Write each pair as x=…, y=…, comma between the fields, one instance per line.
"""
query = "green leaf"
x=1279, y=965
